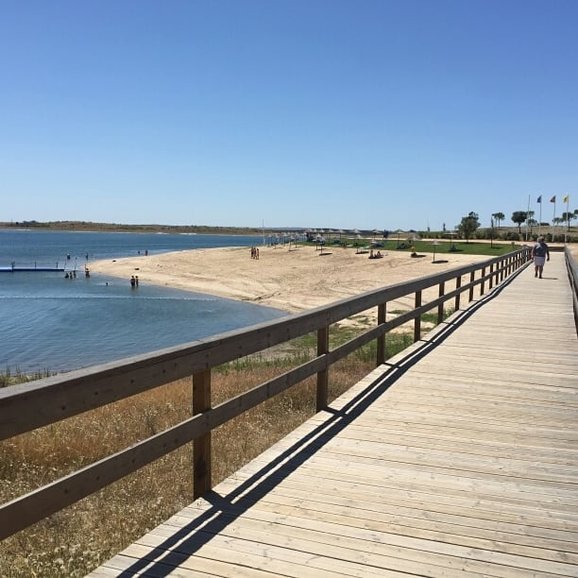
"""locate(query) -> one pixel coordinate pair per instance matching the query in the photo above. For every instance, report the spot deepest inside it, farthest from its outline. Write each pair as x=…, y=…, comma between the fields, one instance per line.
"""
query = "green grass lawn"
x=442, y=248
x=445, y=247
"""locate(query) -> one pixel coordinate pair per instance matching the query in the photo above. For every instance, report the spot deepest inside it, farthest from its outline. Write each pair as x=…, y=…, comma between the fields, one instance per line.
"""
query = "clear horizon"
x=367, y=115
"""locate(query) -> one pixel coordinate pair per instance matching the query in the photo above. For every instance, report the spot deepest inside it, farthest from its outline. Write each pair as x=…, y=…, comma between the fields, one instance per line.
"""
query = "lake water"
x=51, y=323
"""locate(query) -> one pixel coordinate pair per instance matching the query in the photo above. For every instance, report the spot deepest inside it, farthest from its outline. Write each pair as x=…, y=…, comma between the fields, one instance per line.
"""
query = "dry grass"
x=74, y=541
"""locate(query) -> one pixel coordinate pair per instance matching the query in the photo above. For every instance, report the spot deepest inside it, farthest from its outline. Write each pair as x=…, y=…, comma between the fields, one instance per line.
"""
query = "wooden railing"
x=573, y=278
x=26, y=407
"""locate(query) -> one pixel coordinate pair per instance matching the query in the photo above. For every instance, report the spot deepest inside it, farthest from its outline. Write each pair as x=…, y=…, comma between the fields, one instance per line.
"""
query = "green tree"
x=469, y=225
x=530, y=220
x=498, y=217
x=567, y=217
x=519, y=217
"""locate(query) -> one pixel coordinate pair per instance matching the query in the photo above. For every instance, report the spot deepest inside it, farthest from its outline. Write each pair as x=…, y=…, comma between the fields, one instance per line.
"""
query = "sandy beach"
x=291, y=280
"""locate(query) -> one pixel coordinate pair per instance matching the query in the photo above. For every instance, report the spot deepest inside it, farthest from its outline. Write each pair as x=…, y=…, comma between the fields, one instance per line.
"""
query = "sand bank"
x=292, y=280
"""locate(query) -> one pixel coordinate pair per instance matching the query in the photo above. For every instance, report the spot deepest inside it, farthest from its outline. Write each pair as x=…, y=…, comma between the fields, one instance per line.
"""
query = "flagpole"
x=540, y=225
x=567, y=199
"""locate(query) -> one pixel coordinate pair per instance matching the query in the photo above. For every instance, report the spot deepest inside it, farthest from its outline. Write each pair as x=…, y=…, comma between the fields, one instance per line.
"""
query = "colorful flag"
x=553, y=199
x=539, y=199
x=566, y=199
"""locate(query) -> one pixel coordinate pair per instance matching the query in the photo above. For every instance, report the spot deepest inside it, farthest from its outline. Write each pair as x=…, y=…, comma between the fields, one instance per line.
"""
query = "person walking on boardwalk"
x=540, y=252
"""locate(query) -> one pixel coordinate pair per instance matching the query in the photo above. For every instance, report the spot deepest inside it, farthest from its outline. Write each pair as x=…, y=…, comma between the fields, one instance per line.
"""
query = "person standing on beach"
x=540, y=253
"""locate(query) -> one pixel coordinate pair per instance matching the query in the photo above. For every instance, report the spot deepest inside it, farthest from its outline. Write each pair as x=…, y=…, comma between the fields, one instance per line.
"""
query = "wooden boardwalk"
x=459, y=457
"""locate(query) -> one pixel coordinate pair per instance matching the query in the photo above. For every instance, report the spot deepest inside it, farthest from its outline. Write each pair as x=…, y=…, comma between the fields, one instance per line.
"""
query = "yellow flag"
x=566, y=199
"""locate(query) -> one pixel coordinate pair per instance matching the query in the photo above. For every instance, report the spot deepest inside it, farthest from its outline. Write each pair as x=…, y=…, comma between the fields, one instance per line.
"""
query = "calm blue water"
x=51, y=323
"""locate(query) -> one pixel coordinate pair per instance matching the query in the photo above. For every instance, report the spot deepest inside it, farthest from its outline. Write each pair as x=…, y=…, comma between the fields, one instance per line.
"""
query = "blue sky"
x=316, y=113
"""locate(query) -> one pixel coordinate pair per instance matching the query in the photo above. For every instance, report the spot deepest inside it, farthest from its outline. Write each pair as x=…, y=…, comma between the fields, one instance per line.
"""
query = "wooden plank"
x=434, y=501
x=251, y=554
x=430, y=525
x=291, y=519
x=340, y=543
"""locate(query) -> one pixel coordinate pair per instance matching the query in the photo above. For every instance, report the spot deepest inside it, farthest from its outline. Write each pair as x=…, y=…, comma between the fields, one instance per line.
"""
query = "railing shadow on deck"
x=26, y=407
x=225, y=509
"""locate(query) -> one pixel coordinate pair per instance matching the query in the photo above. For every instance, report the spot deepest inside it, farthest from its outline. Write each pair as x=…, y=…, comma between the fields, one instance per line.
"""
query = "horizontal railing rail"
x=26, y=407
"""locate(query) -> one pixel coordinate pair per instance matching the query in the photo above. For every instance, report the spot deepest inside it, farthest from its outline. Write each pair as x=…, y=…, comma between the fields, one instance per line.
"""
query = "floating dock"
x=16, y=269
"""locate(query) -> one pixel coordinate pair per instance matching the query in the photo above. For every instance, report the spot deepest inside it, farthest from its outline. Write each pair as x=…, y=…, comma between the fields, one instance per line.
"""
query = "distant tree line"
x=115, y=227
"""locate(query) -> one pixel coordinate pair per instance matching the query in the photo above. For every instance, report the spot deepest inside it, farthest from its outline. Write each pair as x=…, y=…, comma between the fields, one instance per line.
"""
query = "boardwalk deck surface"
x=459, y=458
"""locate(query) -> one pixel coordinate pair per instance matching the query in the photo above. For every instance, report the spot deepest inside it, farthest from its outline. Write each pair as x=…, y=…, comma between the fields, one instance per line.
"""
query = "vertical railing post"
x=491, y=280
x=472, y=278
x=201, y=445
x=381, y=318
x=441, y=292
x=457, y=301
x=417, y=320
x=482, y=288
x=323, y=375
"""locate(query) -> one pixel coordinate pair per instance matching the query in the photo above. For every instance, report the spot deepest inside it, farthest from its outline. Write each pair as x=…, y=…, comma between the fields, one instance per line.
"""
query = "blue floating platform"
x=29, y=269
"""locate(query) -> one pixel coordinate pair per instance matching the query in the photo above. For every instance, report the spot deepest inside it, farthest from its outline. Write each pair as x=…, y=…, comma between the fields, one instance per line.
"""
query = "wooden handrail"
x=26, y=407
x=572, y=269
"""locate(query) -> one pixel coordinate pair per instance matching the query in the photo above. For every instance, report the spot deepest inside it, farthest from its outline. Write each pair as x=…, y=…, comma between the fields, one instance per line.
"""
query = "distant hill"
x=152, y=228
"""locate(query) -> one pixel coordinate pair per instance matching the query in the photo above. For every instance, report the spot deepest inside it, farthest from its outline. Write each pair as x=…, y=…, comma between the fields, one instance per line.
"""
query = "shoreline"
x=292, y=280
